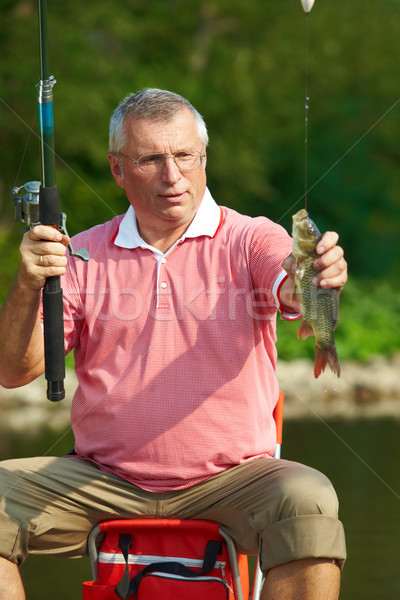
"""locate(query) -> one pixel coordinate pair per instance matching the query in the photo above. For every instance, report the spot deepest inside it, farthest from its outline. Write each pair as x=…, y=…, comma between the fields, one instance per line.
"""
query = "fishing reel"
x=26, y=210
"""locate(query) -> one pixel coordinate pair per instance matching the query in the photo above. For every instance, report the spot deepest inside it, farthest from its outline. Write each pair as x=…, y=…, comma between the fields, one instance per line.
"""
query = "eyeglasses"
x=185, y=160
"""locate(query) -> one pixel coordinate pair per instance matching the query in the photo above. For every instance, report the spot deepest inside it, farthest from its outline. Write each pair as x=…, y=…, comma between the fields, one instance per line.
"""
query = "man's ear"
x=116, y=170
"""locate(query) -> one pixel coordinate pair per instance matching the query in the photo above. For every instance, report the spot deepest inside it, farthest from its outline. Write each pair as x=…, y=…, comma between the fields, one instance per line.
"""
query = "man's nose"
x=171, y=171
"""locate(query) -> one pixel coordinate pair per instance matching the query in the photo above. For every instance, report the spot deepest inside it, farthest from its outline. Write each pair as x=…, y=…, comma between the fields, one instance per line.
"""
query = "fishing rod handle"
x=53, y=317
x=53, y=329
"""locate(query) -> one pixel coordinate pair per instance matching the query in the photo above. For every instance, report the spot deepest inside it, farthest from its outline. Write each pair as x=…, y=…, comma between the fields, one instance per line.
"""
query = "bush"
x=369, y=324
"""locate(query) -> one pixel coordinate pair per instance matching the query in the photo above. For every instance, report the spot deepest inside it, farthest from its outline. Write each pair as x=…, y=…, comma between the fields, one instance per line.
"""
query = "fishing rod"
x=41, y=204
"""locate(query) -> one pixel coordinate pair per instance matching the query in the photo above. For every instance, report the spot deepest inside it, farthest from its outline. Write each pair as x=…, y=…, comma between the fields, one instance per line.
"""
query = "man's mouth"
x=174, y=197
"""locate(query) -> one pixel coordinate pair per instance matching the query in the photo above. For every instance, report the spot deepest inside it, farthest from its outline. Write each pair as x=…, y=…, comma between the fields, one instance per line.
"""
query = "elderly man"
x=173, y=325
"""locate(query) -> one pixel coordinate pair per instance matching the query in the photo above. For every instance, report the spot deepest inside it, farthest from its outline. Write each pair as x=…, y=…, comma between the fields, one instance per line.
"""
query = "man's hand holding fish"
x=317, y=271
x=330, y=266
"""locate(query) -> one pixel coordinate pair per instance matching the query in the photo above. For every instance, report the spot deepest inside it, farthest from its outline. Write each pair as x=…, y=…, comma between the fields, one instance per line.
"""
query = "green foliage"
x=369, y=324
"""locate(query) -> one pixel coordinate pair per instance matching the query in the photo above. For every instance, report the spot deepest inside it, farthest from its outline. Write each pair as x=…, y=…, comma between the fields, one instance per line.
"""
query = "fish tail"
x=324, y=356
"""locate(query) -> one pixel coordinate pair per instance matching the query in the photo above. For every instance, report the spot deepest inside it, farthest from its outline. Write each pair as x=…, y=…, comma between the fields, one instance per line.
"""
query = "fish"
x=319, y=306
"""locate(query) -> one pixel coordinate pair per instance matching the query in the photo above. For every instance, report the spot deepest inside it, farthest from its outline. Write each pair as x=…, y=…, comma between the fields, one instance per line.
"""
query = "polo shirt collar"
x=206, y=222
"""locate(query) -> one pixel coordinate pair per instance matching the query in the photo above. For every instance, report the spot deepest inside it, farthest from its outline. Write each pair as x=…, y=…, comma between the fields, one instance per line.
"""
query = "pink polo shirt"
x=175, y=353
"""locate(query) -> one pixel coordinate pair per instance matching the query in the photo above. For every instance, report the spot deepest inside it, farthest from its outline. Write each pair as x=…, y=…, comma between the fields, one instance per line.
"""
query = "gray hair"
x=154, y=104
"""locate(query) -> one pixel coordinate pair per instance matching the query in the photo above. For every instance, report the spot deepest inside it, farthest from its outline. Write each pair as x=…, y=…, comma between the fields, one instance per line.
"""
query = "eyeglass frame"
x=165, y=155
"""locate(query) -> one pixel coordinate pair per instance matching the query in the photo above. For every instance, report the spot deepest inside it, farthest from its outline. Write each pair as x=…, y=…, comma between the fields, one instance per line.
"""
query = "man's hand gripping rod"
x=41, y=203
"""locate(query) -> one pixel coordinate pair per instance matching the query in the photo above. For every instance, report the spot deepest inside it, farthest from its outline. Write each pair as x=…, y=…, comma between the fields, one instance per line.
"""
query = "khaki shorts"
x=284, y=509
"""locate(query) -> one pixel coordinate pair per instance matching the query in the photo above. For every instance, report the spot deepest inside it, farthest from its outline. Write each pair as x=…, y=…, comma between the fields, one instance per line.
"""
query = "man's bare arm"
x=21, y=338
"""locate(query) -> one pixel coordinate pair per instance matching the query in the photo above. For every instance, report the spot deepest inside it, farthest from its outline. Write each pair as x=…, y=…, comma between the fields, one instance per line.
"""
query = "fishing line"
x=307, y=6
x=284, y=382
x=25, y=150
x=339, y=438
x=33, y=132
x=358, y=140
x=306, y=108
x=46, y=453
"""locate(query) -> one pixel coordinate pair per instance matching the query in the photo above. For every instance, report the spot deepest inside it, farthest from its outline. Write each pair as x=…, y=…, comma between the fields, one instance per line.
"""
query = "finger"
x=328, y=240
x=333, y=276
x=44, y=261
x=35, y=268
x=44, y=248
x=334, y=282
x=329, y=258
x=41, y=259
x=45, y=232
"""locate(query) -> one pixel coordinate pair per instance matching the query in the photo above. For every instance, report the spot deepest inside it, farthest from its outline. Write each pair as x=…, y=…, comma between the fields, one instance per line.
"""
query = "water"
x=361, y=459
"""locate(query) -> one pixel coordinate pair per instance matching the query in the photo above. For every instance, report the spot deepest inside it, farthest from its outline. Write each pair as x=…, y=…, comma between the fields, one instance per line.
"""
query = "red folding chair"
x=127, y=552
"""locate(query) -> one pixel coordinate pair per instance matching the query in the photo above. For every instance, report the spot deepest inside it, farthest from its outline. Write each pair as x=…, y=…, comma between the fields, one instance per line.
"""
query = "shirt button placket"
x=162, y=300
x=163, y=283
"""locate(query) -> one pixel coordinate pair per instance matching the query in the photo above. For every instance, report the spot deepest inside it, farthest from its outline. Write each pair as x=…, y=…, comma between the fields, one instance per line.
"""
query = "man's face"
x=168, y=199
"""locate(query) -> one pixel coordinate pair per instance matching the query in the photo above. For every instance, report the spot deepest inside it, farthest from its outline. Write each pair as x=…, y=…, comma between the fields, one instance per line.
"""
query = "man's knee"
x=303, y=519
x=306, y=491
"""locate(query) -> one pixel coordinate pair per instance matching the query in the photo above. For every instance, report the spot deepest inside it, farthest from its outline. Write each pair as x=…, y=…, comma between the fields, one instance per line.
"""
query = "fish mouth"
x=304, y=230
x=300, y=215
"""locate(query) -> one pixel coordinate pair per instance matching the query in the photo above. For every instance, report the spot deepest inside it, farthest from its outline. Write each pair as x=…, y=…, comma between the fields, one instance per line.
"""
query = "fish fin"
x=305, y=330
x=324, y=356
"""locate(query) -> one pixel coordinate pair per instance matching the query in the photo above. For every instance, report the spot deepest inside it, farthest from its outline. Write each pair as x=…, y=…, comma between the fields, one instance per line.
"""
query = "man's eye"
x=151, y=159
x=185, y=155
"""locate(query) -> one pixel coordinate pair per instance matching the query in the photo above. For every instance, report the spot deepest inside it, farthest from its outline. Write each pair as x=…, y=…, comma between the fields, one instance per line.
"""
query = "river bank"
x=364, y=390
x=368, y=390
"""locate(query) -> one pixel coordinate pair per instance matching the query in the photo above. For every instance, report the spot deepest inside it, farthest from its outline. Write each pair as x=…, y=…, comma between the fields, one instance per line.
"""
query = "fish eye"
x=310, y=230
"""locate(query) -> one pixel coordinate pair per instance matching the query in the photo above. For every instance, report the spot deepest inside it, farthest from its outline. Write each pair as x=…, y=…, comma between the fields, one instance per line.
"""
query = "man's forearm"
x=21, y=337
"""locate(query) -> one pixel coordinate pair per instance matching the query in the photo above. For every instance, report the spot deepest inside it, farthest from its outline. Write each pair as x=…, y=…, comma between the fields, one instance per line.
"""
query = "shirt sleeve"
x=287, y=313
x=268, y=247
